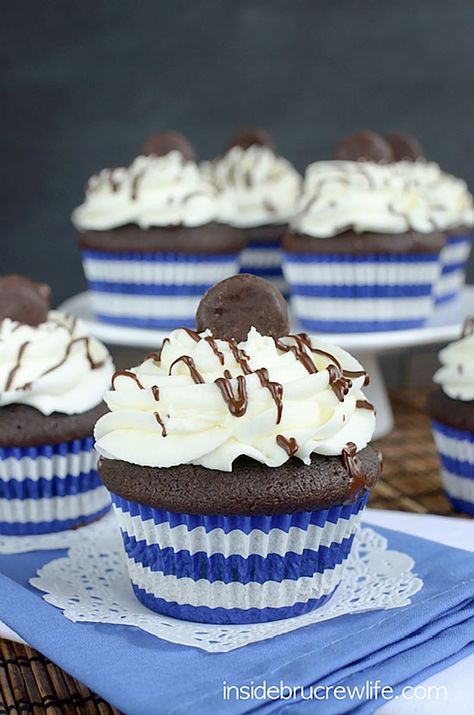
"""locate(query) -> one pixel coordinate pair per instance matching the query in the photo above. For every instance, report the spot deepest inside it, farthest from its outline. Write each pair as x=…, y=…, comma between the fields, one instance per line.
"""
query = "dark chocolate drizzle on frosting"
x=164, y=431
x=236, y=402
x=219, y=355
x=126, y=373
x=289, y=444
x=16, y=367
x=275, y=389
x=191, y=365
x=365, y=405
x=353, y=465
x=156, y=392
x=340, y=384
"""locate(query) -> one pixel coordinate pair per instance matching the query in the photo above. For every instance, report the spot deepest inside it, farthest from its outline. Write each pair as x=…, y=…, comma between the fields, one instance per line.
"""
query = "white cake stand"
x=445, y=325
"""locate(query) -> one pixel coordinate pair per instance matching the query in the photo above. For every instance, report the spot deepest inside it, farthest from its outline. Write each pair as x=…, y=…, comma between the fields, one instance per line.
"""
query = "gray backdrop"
x=84, y=83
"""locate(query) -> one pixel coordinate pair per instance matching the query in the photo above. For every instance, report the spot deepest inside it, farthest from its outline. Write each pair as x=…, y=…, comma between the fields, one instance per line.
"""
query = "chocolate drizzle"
x=340, y=384
x=126, y=373
x=354, y=466
x=289, y=444
x=192, y=334
x=164, y=431
x=219, y=355
x=190, y=364
x=238, y=402
x=240, y=356
x=275, y=389
x=156, y=392
x=16, y=367
x=365, y=405
x=298, y=350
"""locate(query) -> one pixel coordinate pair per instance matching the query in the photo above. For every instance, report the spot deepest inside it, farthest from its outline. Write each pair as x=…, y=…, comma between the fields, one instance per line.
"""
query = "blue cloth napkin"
x=142, y=675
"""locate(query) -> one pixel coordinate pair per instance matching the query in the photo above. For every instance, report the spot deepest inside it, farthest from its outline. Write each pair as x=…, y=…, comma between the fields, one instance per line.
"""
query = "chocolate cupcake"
x=363, y=250
x=451, y=408
x=238, y=470
x=150, y=241
x=257, y=191
x=52, y=377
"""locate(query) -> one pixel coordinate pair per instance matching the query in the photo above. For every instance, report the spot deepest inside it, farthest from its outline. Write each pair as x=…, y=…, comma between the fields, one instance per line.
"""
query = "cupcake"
x=363, y=250
x=149, y=238
x=257, y=191
x=53, y=376
x=451, y=407
x=238, y=463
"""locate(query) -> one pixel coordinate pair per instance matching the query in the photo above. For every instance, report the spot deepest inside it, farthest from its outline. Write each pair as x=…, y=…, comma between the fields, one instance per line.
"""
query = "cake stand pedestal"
x=444, y=326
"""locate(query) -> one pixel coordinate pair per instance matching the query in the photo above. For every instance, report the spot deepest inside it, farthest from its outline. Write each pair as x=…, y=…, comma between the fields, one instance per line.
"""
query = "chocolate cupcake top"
x=256, y=186
x=165, y=190
x=53, y=366
x=206, y=401
x=456, y=374
x=393, y=198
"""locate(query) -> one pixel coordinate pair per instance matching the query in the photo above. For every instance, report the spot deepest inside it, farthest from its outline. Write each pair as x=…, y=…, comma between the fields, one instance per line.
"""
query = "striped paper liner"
x=456, y=453
x=236, y=569
x=50, y=488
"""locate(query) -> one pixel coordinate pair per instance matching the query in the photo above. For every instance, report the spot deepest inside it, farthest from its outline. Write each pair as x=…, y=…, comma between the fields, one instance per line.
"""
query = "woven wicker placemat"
x=30, y=683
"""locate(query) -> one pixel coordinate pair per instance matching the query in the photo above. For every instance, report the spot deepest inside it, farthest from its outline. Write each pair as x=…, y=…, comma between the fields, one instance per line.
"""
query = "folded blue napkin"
x=142, y=675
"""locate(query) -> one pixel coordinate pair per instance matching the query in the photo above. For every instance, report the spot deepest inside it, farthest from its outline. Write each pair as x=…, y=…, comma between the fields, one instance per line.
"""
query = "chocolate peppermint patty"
x=25, y=426
x=251, y=487
x=454, y=413
x=210, y=238
x=350, y=242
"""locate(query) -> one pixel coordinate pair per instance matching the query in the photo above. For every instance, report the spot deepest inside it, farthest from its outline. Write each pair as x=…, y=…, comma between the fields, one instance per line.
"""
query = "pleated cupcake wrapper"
x=456, y=453
x=452, y=276
x=50, y=488
x=349, y=293
x=153, y=290
x=236, y=569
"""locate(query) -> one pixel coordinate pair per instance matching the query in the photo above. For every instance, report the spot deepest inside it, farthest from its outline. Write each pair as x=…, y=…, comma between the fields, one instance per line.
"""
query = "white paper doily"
x=56, y=540
x=91, y=584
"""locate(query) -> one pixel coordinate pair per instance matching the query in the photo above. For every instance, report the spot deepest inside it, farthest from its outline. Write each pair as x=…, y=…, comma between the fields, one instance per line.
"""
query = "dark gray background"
x=84, y=83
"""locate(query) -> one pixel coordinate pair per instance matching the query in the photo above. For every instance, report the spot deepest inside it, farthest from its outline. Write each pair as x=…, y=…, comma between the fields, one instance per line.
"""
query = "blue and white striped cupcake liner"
x=453, y=259
x=363, y=293
x=456, y=453
x=264, y=259
x=236, y=569
x=50, y=488
x=153, y=290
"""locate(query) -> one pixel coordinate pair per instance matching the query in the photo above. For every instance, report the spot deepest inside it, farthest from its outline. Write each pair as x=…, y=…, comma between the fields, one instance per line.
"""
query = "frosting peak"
x=152, y=191
x=456, y=374
x=387, y=198
x=255, y=186
x=54, y=366
x=206, y=401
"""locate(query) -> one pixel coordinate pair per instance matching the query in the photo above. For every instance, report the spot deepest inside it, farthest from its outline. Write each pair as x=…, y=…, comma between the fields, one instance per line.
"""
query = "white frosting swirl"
x=456, y=374
x=181, y=422
x=255, y=186
x=387, y=198
x=54, y=367
x=152, y=191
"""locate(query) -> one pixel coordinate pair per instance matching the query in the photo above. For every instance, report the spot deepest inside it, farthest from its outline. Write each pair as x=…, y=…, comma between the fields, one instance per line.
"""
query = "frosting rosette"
x=255, y=186
x=456, y=374
x=388, y=198
x=152, y=191
x=54, y=366
x=206, y=401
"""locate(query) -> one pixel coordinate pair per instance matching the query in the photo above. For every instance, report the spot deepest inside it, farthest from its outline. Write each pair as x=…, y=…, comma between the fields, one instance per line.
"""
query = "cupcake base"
x=236, y=569
x=50, y=488
x=456, y=451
